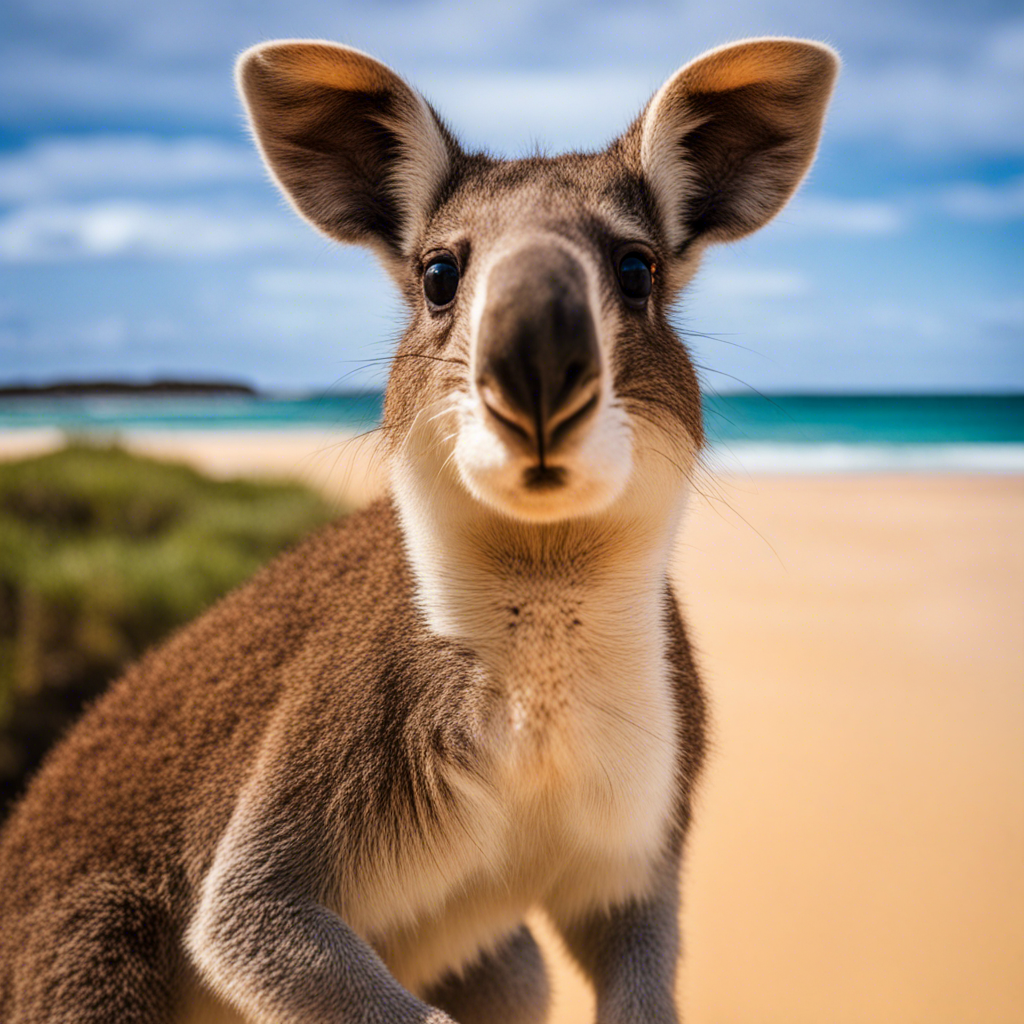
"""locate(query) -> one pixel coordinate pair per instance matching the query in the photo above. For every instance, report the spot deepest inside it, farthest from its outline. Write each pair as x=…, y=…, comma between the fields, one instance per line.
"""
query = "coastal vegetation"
x=102, y=553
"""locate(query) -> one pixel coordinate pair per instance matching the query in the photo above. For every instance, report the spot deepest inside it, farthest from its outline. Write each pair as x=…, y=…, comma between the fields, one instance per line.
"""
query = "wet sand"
x=859, y=848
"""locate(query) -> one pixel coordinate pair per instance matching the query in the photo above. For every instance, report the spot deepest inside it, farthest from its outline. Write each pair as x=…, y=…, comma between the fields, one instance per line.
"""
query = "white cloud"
x=938, y=81
x=324, y=285
x=752, y=283
x=922, y=102
x=907, y=321
x=828, y=215
x=567, y=72
x=47, y=232
x=1003, y=314
x=977, y=106
x=973, y=201
x=1006, y=48
x=510, y=109
x=112, y=332
x=95, y=165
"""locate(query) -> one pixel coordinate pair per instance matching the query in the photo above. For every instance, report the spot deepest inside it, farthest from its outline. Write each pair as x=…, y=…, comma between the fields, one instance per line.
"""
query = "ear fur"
x=728, y=138
x=358, y=153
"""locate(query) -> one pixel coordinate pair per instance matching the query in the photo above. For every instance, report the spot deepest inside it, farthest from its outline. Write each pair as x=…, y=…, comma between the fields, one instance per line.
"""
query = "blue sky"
x=139, y=236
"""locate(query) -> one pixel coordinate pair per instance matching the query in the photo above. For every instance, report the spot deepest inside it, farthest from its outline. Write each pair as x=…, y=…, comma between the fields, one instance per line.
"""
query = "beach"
x=858, y=853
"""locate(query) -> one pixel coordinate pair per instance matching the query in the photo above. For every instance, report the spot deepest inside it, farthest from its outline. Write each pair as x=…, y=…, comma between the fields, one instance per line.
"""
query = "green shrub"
x=102, y=553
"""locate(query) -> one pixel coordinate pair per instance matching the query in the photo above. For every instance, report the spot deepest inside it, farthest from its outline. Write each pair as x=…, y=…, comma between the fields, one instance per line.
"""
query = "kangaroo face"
x=537, y=337
x=539, y=376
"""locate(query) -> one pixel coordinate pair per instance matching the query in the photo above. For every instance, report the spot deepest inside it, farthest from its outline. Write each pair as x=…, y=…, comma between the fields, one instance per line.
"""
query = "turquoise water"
x=803, y=433
x=867, y=419
x=238, y=412
x=790, y=419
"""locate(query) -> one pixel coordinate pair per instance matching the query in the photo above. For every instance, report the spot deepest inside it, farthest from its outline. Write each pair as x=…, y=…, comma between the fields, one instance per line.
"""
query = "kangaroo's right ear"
x=360, y=154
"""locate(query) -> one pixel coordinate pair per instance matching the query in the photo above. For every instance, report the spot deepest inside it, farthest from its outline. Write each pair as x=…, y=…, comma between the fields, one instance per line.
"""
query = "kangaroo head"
x=539, y=377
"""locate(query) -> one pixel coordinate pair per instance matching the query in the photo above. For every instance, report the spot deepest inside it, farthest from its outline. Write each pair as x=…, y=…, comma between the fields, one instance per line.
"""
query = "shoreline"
x=287, y=442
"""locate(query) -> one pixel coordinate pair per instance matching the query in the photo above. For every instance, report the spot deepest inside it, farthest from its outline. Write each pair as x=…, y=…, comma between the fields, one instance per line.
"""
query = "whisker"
x=711, y=498
x=749, y=387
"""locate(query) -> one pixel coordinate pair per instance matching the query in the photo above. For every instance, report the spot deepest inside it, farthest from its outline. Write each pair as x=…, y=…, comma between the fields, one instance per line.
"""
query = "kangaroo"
x=335, y=795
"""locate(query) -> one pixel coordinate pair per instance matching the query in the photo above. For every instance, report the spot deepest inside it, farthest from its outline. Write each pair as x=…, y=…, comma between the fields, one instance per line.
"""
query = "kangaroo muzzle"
x=538, y=361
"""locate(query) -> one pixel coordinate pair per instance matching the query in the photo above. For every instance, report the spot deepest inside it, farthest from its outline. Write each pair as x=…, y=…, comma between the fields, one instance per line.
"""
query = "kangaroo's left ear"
x=728, y=138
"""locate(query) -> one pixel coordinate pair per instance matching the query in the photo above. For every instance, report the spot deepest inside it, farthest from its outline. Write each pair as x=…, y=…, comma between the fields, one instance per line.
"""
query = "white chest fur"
x=586, y=737
x=579, y=781
x=579, y=788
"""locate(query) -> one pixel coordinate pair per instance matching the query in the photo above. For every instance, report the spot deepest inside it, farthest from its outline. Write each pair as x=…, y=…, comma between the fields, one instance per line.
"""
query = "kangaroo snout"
x=538, y=361
x=541, y=439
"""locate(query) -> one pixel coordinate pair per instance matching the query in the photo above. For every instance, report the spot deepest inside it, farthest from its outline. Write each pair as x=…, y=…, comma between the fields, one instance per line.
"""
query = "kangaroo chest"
x=582, y=740
x=585, y=721
x=570, y=805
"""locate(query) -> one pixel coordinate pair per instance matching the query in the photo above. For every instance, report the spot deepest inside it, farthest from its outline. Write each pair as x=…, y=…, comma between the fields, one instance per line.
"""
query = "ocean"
x=747, y=432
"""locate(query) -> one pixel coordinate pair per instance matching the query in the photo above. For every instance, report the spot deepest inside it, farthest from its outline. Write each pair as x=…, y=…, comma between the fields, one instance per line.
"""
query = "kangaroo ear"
x=728, y=138
x=360, y=154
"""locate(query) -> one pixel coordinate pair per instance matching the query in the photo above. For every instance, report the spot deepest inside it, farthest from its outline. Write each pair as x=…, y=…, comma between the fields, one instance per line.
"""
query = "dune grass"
x=102, y=553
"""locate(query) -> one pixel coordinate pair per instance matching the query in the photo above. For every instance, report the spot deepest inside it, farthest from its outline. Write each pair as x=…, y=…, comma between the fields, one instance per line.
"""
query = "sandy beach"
x=859, y=848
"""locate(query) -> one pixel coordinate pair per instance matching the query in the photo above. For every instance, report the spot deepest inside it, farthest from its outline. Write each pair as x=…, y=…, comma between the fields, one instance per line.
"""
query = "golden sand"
x=858, y=853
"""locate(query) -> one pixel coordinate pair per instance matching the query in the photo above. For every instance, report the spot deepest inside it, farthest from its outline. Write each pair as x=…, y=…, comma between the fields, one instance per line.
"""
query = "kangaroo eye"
x=440, y=282
x=635, y=277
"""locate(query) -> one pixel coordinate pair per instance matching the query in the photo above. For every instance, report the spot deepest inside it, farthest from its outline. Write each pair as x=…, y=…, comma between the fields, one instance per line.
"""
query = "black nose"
x=539, y=364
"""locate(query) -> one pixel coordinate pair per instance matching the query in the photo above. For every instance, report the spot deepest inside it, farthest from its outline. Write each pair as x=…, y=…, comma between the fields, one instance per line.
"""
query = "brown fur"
x=334, y=795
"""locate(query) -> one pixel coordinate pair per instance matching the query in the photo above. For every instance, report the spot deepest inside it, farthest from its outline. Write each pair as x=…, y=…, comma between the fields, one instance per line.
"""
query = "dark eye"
x=635, y=277
x=440, y=282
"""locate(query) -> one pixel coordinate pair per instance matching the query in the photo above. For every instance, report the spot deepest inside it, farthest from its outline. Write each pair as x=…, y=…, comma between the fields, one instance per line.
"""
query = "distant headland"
x=170, y=387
